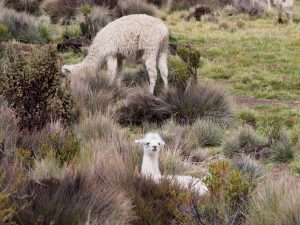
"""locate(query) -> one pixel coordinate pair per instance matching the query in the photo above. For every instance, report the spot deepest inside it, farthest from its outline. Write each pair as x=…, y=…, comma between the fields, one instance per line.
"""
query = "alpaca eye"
x=158, y=143
x=148, y=144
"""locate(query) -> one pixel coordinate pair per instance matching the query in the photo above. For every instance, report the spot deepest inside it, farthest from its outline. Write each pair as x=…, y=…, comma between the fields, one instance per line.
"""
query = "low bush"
x=185, y=106
x=33, y=88
x=249, y=167
x=20, y=26
x=276, y=202
x=227, y=200
x=29, y=6
x=206, y=133
x=247, y=116
x=246, y=141
x=251, y=7
x=139, y=107
x=58, y=9
x=4, y=32
x=77, y=198
x=95, y=19
x=94, y=92
x=127, y=7
x=198, y=101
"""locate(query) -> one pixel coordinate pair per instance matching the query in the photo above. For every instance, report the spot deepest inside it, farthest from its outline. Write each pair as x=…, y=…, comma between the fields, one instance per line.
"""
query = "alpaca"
x=139, y=38
x=287, y=7
x=152, y=144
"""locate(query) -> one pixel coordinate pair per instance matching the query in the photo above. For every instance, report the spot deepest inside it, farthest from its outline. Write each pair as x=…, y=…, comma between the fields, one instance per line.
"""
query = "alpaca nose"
x=154, y=148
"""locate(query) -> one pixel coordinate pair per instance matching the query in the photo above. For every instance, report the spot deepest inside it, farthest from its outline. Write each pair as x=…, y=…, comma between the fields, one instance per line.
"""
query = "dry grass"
x=127, y=7
x=277, y=201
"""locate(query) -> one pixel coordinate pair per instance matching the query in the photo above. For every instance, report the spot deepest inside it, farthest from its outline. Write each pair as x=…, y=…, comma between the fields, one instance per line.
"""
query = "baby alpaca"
x=140, y=38
x=152, y=143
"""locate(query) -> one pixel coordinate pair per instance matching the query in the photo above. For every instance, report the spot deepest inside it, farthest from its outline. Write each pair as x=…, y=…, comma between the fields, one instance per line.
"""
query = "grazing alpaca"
x=152, y=143
x=285, y=6
x=140, y=38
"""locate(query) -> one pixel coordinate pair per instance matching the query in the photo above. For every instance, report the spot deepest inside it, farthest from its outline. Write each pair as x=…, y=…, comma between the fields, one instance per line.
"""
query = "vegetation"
x=230, y=117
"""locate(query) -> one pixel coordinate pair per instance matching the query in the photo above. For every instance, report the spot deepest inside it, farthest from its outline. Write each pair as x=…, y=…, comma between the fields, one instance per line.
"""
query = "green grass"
x=261, y=59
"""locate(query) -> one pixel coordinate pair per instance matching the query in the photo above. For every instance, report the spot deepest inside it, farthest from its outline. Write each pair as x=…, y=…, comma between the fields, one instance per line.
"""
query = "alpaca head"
x=152, y=143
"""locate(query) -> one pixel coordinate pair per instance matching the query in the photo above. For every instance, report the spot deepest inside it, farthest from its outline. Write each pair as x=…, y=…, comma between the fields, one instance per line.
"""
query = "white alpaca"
x=284, y=6
x=152, y=143
x=139, y=38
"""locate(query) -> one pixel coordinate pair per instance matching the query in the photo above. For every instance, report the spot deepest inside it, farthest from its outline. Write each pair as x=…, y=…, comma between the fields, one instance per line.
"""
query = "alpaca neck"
x=150, y=165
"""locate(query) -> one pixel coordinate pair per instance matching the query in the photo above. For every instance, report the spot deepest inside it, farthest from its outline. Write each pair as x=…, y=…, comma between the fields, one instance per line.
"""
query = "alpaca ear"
x=139, y=142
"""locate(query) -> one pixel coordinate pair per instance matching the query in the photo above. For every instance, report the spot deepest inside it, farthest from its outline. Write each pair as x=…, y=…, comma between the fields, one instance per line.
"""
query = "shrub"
x=251, y=7
x=77, y=198
x=127, y=7
x=246, y=141
x=276, y=202
x=248, y=116
x=29, y=6
x=250, y=168
x=34, y=89
x=282, y=151
x=4, y=32
x=136, y=78
x=9, y=132
x=198, y=101
x=64, y=147
x=179, y=72
x=191, y=57
x=94, y=93
x=58, y=9
x=11, y=184
x=206, y=133
x=95, y=19
x=227, y=201
x=141, y=107
x=21, y=26
x=173, y=5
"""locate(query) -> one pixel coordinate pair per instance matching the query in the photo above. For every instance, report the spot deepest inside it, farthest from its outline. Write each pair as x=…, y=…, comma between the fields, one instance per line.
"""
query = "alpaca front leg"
x=152, y=72
x=112, y=67
x=289, y=13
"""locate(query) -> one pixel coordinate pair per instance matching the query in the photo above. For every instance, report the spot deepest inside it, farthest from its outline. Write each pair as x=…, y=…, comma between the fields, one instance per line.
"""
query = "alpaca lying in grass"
x=285, y=6
x=140, y=38
x=152, y=143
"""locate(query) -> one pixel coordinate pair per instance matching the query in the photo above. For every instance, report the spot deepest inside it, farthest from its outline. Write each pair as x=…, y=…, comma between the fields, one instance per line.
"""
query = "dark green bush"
x=34, y=88
x=4, y=32
x=64, y=147
x=191, y=56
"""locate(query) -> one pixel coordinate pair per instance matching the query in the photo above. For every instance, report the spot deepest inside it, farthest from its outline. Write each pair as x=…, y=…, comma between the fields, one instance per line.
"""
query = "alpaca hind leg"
x=152, y=72
x=279, y=11
x=289, y=13
x=112, y=67
x=163, y=67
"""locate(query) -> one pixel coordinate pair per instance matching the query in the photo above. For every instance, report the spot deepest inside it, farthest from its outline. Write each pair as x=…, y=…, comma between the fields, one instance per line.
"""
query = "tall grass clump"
x=77, y=198
x=206, y=133
x=34, y=88
x=198, y=101
x=60, y=9
x=127, y=7
x=29, y=6
x=140, y=107
x=246, y=141
x=250, y=7
x=276, y=202
x=21, y=26
x=95, y=19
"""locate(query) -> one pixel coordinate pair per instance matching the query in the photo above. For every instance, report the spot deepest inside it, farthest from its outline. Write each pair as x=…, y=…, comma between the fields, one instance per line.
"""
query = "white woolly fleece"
x=135, y=37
